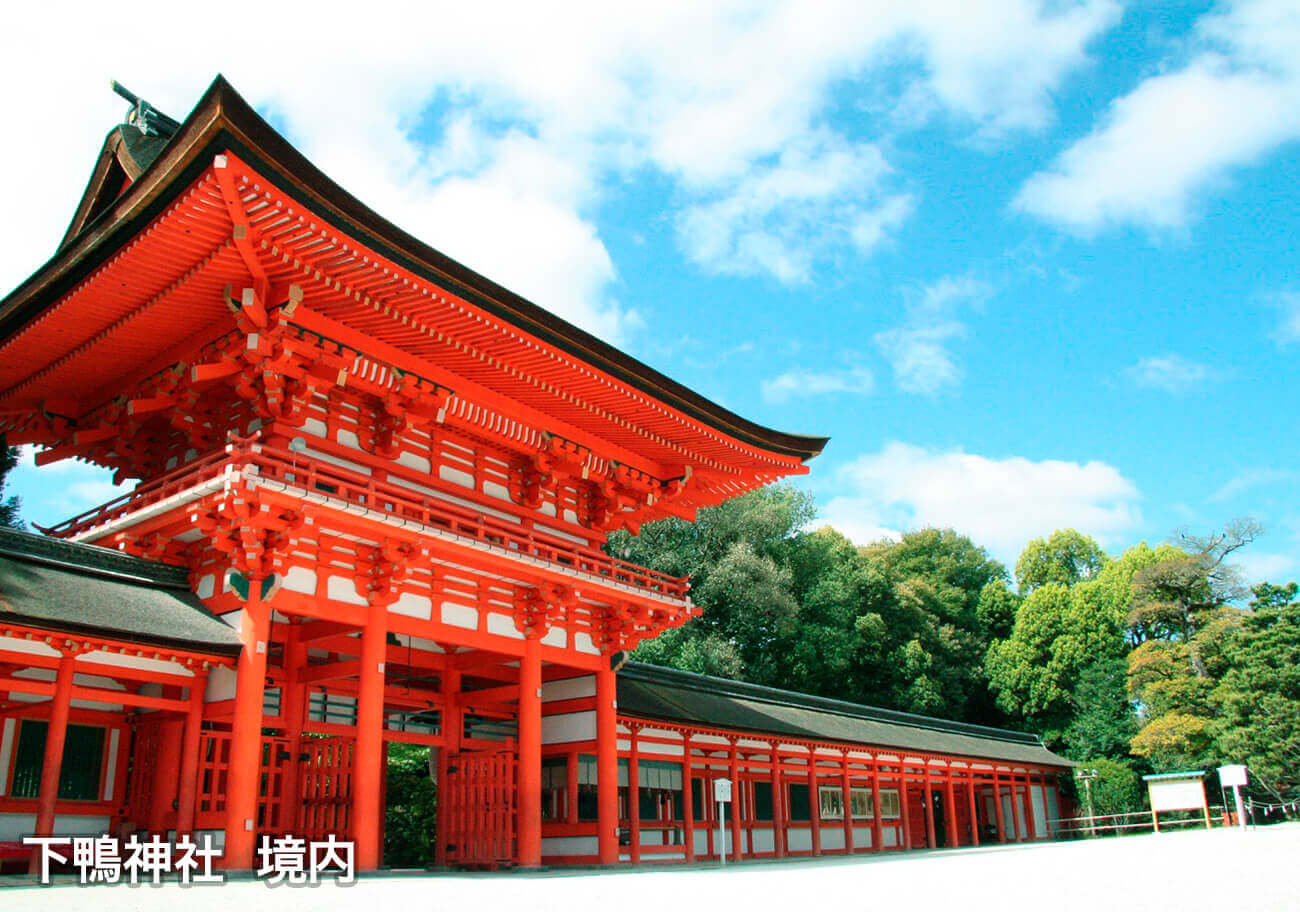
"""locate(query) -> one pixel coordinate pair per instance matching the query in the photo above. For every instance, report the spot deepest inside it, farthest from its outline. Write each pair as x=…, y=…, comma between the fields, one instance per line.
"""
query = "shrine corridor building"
x=372, y=490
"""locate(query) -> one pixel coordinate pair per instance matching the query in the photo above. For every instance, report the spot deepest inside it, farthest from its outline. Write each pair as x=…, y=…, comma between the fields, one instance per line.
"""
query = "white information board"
x=1177, y=795
x=1234, y=774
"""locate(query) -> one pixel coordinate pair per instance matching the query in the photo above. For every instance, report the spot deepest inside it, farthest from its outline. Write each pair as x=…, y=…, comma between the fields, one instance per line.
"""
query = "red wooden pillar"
x=245, y=773
x=846, y=799
x=1031, y=825
x=997, y=809
x=607, y=766
x=56, y=734
x=974, y=810
x=167, y=764
x=188, y=789
x=368, y=760
x=1015, y=810
x=529, y=841
x=688, y=798
x=950, y=816
x=904, y=806
x=293, y=713
x=634, y=799
x=927, y=802
x=735, y=801
x=877, y=823
x=452, y=728
x=778, y=804
x=814, y=803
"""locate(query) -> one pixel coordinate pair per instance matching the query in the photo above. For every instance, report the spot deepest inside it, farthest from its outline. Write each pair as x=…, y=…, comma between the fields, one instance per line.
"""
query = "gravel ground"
x=1184, y=871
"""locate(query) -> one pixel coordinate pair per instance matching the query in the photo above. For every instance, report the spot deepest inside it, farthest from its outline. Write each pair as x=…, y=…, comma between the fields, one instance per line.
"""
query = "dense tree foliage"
x=9, y=507
x=411, y=808
x=1141, y=662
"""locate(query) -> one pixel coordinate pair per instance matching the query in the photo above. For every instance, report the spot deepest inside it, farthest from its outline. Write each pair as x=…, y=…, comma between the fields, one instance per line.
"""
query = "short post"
x=722, y=795
x=1086, y=776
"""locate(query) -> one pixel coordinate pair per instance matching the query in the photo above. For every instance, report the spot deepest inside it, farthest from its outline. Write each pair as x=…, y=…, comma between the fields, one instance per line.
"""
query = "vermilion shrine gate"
x=391, y=479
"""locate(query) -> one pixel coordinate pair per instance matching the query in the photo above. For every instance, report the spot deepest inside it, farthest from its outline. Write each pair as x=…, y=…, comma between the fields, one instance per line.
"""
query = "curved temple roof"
x=223, y=121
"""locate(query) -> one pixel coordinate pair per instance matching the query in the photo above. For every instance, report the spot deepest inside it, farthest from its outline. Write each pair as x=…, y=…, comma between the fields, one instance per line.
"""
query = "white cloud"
x=1171, y=373
x=1182, y=131
x=1250, y=480
x=497, y=131
x=1288, y=302
x=1266, y=567
x=999, y=503
x=802, y=382
x=919, y=351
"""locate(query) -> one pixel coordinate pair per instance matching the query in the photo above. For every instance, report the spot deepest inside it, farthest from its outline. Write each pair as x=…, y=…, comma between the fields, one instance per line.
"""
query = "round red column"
x=529, y=839
x=368, y=761
x=187, y=791
x=452, y=725
x=607, y=765
x=52, y=764
x=246, y=733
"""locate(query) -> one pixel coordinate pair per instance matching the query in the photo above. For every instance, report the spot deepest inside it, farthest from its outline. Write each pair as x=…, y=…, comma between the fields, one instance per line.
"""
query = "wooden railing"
x=259, y=464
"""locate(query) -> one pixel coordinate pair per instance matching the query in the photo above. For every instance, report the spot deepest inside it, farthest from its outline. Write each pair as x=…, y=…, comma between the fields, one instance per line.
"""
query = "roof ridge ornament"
x=144, y=116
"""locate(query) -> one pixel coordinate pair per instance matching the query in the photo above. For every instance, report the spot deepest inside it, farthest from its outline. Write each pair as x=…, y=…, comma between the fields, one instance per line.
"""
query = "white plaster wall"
x=569, y=689
x=832, y=837
x=861, y=837
x=221, y=685
x=1040, y=810
x=566, y=727
x=32, y=647
x=763, y=841
x=569, y=845
x=14, y=827
x=1053, y=810
x=799, y=838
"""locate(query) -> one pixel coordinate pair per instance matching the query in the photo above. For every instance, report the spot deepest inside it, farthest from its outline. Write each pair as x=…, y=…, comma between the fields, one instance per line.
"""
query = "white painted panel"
x=456, y=476
x=702, y=840
x=1053, y=809
x=890, y=837
x=221, y=685
x=582, y=643
x=343, y=589
x=414, y=461
x=207, y=586
x=861, y=837
x=300, y=579
x=316, y=428
x=556, y=636
x=7, y=735
x=1040, y=810
x=412, y=605
x=503, y=625
x=110, y=774
x=661, y=750
x=14, y=827
x=800, y=839
x=494, y=489
x=569, y=688
x=1009, y=817
x=566, y=727
x=459, y=615
x=130, y=661
x=763, y=841
x=31, y=647
x=569, y=845
x=832, y=837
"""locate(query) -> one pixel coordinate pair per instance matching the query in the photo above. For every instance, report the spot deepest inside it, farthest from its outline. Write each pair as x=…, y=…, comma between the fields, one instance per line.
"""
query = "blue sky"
x=1028, y=264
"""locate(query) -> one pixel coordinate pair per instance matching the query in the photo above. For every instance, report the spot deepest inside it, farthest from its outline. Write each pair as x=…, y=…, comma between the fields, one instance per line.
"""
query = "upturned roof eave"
x=223, y=118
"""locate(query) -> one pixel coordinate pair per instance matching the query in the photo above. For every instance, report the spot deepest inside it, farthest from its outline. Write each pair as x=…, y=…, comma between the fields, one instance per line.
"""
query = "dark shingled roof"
x=74, y=588
x=651, y=692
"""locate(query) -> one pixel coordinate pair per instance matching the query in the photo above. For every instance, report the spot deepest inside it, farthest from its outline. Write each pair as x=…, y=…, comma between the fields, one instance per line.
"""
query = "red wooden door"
x=480, y=817
x=326, y=783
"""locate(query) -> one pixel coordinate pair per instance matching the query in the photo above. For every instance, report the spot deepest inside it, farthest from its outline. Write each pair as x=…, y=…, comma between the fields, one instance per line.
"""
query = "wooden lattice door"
x=480, y=801
x=327, y=788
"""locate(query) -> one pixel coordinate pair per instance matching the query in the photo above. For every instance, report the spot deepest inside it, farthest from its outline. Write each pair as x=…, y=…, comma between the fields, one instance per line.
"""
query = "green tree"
x=1117, y=789
x=1103, y=719
x=996, y=609
x=1258, y=696
x=412, y=804
x=1065, y=557
x=10, y=507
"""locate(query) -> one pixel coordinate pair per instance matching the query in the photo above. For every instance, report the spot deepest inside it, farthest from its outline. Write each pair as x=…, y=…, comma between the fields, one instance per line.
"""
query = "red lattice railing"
x=261, y=464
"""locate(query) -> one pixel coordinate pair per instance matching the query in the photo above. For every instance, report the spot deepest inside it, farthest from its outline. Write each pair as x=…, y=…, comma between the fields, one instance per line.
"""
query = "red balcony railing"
x=261, y=464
